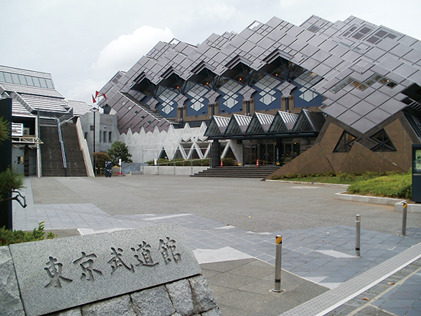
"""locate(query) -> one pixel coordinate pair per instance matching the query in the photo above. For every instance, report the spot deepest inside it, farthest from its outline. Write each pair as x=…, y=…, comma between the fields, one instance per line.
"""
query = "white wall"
x=148, y=146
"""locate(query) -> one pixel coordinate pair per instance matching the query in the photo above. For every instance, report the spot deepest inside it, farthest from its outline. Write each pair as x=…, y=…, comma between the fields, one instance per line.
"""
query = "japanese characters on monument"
x=64, y=272
x=142, y=256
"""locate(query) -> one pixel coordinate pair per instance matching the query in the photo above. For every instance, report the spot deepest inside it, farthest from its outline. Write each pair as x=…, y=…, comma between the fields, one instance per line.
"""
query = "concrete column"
x=215, y=154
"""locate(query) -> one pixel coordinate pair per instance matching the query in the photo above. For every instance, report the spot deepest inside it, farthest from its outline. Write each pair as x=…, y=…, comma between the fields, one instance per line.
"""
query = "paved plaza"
x=231, y=225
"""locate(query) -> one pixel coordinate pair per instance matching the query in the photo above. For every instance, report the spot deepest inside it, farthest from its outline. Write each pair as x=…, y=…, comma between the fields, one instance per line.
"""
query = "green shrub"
x=395, y=186
x=180, y=162
x=228, y=162
x=8, y=237
x=9, y=181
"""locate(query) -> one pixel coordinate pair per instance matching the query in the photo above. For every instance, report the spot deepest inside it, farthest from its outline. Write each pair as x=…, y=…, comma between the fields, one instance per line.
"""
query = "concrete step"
x=238, y=172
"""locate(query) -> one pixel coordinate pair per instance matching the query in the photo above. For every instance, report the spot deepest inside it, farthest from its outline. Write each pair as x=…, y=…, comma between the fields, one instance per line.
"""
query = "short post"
x=358, y=234
x=278, y=259
x=404, y=213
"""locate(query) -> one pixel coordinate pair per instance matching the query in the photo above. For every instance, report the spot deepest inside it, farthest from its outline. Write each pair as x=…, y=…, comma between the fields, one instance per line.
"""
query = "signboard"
x=417, y=160
x=62, y=273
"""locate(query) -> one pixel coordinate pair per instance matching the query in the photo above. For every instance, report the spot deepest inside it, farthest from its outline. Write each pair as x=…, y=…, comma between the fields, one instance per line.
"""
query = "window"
x=36, y=82
x=383, y=142
x=15, y=78
x=49, y=84
x=379, y=35
x=8, y=77
x=29, y=81
x=361, y=32
x=26, y=80
x=42, y=82
x=104, y=137
x=22, y=80
x=86, y=135
x=345, y=143
x=313, y=28
x=110, y=139
x=365, y=84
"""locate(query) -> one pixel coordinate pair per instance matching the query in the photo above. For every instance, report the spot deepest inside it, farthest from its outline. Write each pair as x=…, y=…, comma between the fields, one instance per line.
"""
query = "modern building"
x=44, y=137
x=320, y=97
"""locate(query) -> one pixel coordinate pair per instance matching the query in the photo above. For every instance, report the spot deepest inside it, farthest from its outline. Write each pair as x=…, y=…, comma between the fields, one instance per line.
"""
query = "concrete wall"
x=103, y=123
x=147, y=146
x=321, y=158
x=171, y=170
x=85, y=150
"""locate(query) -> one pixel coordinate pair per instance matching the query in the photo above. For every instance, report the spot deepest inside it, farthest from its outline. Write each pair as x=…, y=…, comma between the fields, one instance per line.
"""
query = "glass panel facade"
x=365, y=84
x=26, y=80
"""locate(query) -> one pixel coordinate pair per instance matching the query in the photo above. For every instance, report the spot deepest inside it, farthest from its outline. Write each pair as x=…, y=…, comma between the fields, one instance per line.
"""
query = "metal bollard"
x=358, y=234
x=404, y=213
x=278, y=259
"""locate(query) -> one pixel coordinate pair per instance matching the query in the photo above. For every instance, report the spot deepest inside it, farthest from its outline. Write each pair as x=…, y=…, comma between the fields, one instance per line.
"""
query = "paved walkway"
x=322, y=255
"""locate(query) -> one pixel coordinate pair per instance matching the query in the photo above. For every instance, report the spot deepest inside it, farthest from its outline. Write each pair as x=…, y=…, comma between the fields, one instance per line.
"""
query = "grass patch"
x=390, y=184
x=395, y=186
x=335, y=178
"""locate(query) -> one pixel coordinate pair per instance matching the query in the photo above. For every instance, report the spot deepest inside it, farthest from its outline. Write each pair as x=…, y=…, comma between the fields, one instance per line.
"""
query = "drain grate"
x=332, y=299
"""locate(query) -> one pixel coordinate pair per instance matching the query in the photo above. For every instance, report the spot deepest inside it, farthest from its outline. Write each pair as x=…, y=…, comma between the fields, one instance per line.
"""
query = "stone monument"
x=143, y=271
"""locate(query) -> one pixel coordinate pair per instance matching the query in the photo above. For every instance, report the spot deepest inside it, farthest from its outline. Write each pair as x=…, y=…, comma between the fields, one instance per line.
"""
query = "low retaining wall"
x=397, y=203
x=172, y=170
x=367, y=199
x=147, y=271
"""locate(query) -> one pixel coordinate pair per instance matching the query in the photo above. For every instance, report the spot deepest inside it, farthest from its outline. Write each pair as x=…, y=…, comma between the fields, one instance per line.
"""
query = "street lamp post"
x=94, y=110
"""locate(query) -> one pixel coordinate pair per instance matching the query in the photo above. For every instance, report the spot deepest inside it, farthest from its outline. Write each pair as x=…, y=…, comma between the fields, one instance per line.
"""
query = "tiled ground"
x=324, y=255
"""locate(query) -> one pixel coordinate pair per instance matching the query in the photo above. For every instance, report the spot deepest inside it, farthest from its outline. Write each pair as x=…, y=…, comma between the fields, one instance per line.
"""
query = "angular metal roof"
x=283, y=124
x=32, y=91
x=217, y=126
x=360, y=69
x=237, y=125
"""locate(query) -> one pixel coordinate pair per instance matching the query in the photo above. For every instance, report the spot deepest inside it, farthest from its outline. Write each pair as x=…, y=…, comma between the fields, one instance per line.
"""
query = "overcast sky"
x=83, y=43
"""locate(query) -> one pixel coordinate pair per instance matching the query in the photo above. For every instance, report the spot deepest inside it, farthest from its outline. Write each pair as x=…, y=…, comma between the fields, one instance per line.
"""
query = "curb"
x=312, y=183
x=397, y=203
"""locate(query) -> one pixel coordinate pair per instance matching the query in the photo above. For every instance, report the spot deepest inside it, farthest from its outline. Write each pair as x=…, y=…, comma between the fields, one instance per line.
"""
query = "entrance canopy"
x=262, y=125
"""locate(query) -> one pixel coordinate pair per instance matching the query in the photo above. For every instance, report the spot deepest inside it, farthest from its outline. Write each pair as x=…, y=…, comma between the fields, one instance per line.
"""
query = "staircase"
x=238, y=172
x=52, y=161
x=75, y=163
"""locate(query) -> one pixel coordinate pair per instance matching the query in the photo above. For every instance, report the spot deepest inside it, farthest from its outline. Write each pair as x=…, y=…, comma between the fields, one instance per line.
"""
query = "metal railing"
x=63, y=151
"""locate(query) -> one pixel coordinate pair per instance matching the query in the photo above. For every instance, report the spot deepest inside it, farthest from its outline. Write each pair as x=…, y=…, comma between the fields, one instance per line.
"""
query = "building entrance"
x=270, y=152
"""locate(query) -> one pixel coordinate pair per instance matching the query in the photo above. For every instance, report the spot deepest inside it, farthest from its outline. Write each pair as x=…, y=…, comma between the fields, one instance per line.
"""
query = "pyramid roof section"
x=365, y=72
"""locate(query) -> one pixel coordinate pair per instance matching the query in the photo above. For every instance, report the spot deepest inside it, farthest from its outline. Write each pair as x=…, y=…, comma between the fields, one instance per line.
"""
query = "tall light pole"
x=94, y=110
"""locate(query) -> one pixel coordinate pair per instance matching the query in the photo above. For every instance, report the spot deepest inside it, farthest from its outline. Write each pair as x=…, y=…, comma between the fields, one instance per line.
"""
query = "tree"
x=100, y=159
x=9, y=181
x=118, y=151
x=4, y=130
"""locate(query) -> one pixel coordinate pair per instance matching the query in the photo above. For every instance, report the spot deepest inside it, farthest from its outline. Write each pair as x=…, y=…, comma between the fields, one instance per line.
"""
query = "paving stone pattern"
x=324, y=254
x=398, y=294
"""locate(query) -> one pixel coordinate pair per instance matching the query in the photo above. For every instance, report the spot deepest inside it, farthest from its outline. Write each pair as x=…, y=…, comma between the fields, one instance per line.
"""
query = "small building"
x=39, y=115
